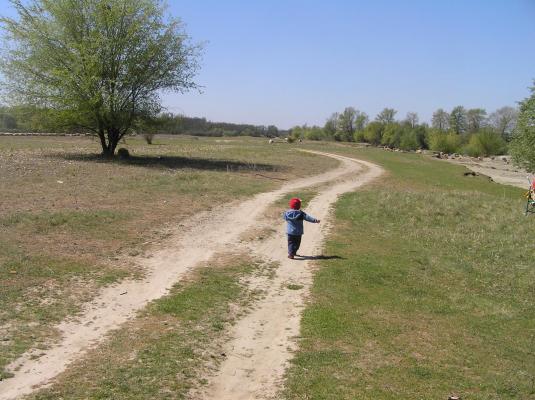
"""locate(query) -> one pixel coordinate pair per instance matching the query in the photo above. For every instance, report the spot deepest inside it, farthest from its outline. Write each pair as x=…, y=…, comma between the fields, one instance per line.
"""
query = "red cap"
x=295, y=203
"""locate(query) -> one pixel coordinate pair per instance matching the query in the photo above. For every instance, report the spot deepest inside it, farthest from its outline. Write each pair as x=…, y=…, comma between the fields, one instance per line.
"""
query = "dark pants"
x=294, y=241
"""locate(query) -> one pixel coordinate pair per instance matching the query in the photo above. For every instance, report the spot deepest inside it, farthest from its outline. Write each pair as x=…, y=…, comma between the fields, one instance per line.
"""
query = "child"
x=294, y=228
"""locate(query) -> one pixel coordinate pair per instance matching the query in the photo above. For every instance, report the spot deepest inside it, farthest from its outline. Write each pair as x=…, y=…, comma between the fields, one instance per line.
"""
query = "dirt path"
x=264, y=340
x=196, y=241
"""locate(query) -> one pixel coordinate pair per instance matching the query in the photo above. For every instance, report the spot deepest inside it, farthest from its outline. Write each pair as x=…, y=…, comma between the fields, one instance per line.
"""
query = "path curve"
x=263, y=341
x=195, y=242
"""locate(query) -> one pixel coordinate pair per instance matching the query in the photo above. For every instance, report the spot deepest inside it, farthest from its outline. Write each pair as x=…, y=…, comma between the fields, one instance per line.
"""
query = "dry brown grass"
x=70, y=222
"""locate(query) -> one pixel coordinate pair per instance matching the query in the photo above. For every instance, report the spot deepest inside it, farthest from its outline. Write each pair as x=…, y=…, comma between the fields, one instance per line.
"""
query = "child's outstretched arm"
x=310, y=218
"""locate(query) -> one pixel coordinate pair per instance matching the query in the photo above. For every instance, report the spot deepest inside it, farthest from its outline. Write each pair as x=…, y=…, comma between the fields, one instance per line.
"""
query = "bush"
x=373, y=133
x=148, y=137
x=358, y=136
x=314, y=133
x=485, y=143
x=446, y=143
x=421, y=133
x=123, y=153
x=409, y=141
x=392, y=135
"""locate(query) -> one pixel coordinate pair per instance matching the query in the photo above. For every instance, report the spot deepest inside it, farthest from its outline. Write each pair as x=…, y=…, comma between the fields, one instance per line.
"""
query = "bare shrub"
x=148, y=137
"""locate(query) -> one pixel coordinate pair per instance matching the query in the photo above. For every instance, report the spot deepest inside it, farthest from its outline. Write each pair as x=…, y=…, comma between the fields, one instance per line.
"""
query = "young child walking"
x=294, y=227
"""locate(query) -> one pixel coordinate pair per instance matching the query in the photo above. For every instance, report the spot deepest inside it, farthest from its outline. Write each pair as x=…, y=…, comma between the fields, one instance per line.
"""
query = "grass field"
x=434, y=293
x=431, y=294
x=70, y=222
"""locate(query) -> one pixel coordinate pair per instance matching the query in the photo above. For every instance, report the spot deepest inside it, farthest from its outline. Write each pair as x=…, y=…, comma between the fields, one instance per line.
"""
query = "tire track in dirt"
x=263, y=341
x=196, y=241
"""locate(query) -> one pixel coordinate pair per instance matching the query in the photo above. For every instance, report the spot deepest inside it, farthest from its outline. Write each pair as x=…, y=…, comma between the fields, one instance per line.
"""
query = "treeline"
x=472, y=131
x=168, y=123
x=33, y=119
x=29, y=119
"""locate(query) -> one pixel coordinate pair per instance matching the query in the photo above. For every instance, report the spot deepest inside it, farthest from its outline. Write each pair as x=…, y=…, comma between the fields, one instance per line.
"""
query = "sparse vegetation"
x=433, y=294
x=148, y=137
x=485, y=143
x=67, y=238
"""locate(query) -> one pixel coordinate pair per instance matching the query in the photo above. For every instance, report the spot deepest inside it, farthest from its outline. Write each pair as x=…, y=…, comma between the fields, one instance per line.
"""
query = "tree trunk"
x=113, y=145
x=109, y=146
x=105, y=147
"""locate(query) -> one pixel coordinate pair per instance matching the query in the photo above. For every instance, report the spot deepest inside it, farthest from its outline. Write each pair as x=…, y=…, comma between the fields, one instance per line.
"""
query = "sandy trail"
x=500, y=171
x=264, y=340
x=196, y=241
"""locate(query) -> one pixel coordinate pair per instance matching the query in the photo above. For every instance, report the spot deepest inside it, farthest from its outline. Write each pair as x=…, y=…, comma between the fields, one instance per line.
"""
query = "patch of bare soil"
x=499, y=168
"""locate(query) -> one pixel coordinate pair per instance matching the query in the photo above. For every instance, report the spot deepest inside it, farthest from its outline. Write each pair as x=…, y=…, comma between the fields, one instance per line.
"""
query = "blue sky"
x=297, y=61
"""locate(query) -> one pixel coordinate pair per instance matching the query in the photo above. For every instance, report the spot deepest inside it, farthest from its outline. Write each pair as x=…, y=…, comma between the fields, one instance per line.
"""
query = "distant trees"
x=475, y=119
x=167, y=123
x=386, y=116
x=412, y=119
x=7, y=121
x=503, y=120
x=485, y=143
x=346, y=125
x=523, y=141
x=440, y=120
x=459, y=131
x=33, y=119
x=30, y=119
x=331, y=126
x=391, y=134
x=465, y=131
x=361, y=120
x=458, y=121
x=373, y=133
x=272, y=131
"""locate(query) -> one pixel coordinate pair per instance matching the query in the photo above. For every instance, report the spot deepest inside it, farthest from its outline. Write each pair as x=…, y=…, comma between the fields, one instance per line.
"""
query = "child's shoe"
x=291, y=256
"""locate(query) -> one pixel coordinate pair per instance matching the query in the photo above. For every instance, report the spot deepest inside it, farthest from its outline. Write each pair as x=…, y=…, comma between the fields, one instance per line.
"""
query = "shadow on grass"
x=173, y=162
x=320, y=257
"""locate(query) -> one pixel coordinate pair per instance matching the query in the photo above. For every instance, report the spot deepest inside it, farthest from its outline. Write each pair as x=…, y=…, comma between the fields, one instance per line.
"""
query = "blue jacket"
x=295, y=220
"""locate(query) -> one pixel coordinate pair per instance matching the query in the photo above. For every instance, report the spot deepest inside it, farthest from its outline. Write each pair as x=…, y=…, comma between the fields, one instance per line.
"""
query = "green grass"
x=86, y=221
x=38, y=292
x=434, y=294
x=159, y=356
x=306, y=195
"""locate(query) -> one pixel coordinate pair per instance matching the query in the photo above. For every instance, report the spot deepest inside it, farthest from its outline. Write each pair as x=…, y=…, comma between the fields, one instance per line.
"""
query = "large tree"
x=386, y=116
x=361, y=120
x=458, y=121
x=412, y=119
x=503, y=120
x=331, y=125
x=101, y=64
x=523, y=143
x=475, y=119
x=346, y=124
x=441, y=120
